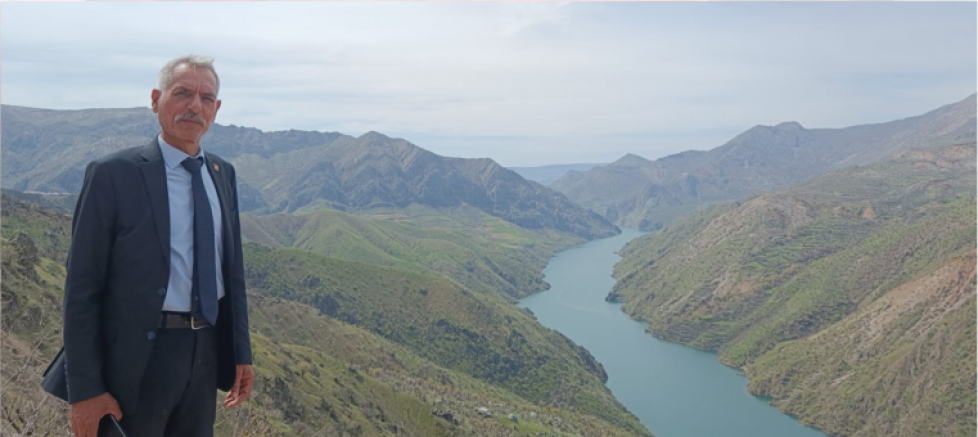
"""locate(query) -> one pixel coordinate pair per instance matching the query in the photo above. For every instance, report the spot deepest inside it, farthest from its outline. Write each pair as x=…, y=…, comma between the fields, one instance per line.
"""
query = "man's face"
x=188, y=106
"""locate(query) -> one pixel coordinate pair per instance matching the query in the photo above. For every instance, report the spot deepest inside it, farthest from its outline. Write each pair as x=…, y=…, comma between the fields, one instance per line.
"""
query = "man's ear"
x=155, y=100
x=218, y=108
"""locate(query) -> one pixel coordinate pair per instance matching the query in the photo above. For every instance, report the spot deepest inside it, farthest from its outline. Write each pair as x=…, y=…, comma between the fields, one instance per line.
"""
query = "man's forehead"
x=187, y=75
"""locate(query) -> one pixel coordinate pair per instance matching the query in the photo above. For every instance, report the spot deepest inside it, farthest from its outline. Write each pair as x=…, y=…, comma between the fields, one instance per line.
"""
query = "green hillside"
x=479, y=251
x=318, y=375
x=308, y=357
x=902, y=365
x=802, y=264
x=481, y=336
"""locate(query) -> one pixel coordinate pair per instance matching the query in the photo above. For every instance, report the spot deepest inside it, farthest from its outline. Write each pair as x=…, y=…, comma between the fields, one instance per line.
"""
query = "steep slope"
x=902, y=365
x=374, y=171
x=479, y=251
x=318, y=373
x=650, y=194
x=829, y=266
x=288, y=171
x=467, y=332
x=322, y=375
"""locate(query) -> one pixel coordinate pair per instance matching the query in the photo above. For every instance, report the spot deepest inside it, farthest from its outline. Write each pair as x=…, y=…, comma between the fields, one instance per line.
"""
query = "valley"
x=675, y=390
x=341, y=347
x=395, y=291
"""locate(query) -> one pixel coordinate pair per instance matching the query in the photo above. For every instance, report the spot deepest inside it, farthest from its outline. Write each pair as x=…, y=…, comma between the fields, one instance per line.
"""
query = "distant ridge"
x=631, y=160
x=548, y=173
x=651, y=194
x=287, y=171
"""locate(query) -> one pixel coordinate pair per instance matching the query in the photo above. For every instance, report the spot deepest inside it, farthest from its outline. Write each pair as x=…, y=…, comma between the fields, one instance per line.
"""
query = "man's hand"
x=85, y=415
x=242, y=386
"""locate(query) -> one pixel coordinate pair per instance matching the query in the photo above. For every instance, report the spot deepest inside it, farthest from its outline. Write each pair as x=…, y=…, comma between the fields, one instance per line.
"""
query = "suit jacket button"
x=151, y=335
x=161, y=292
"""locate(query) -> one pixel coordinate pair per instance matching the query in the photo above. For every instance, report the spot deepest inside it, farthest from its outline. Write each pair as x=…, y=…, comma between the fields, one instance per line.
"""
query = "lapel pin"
x=215, y=168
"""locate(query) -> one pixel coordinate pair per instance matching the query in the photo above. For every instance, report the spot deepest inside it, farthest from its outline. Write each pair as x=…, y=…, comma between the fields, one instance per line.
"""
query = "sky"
x=526, y=84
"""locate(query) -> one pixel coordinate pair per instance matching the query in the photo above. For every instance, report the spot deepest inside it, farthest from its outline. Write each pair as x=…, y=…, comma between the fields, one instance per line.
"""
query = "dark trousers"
x=178, y=393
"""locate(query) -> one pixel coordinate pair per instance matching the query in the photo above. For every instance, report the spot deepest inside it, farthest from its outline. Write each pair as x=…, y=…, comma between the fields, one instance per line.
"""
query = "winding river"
x=675, y=390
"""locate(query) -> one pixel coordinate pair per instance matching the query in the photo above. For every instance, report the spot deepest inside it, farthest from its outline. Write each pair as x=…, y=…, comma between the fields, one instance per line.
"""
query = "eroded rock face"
x=868, y=213
x=446, y=414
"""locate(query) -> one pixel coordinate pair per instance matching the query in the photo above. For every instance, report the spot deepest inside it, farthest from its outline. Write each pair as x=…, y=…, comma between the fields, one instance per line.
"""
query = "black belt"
x=182, y=321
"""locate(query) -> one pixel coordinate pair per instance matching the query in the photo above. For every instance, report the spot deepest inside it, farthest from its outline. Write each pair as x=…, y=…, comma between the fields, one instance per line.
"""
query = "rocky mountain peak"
x=761, y=131
x=789, y=125
x=373, y=136
x=631, y=160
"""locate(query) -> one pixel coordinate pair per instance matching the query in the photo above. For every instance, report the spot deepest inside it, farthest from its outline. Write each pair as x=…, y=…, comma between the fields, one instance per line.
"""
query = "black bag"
x=56, y=382
x=56, y=377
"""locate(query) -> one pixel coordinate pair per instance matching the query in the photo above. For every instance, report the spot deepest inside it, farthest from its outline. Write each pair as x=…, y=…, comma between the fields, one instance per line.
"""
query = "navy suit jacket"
x=118, y=270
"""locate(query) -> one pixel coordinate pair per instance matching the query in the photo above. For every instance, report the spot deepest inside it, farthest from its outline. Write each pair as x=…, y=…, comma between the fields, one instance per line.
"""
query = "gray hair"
x=166, y=73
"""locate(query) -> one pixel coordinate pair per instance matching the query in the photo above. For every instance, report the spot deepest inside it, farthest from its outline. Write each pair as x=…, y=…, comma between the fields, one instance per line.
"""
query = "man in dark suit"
x=156, y=318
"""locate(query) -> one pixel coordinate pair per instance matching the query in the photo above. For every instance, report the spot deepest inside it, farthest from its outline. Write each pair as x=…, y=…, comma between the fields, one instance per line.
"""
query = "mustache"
x=190, y=116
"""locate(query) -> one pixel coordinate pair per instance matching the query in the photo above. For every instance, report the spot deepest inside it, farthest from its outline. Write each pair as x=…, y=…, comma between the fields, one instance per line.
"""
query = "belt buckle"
x=194, y=326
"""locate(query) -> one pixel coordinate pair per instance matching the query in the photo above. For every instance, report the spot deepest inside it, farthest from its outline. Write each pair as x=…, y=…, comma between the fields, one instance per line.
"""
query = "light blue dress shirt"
x=181, y=195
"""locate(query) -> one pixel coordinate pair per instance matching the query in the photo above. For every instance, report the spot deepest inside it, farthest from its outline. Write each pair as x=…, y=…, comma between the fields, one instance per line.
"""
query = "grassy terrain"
x=339, y=376
x=471, y=333
x=761, y=279
x=318, y=374
x=482, y=252
x=902, y=365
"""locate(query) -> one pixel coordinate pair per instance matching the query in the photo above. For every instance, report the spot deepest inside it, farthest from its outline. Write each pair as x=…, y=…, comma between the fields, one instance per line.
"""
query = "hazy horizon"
x=524, y=84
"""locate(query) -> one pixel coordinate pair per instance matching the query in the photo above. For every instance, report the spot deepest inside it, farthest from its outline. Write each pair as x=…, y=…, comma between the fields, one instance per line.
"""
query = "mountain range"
x=640, y=193
x=835, y=267
x=383, y=274
x=849, y=298
x=290, y=171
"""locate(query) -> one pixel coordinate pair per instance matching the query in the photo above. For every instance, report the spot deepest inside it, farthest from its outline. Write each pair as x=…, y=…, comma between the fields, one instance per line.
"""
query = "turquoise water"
x=676, y=391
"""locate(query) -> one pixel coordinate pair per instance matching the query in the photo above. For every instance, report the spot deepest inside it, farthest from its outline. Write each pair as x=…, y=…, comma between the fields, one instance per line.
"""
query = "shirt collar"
x=173, y=156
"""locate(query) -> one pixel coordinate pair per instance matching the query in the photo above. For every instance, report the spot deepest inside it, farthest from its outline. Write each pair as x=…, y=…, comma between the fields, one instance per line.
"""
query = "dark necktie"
x=204, y=290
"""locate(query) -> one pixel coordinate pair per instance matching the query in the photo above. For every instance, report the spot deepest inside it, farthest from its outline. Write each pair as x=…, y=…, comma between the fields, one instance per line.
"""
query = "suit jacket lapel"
x=223, y=194
x=154, y=174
